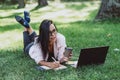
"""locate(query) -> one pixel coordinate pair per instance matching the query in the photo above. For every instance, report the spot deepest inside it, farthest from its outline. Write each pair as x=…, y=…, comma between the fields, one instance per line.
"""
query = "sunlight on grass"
x=3, y=14
x=10, y=39
x=55, y=11
x=7, y=21
x=61, y=13
x=10, y=12
x=69, y=15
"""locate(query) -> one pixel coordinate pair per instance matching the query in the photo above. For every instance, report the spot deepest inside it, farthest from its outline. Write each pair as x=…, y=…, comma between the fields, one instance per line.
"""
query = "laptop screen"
x=90, y=56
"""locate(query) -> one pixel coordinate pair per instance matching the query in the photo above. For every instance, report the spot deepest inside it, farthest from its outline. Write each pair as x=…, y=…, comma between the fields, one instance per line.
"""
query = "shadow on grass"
x=80, y=6
x=76, y=7
x=37, y=7
x=17, y=26
x=34, y=25
x=11, y=16
x=4, y=6
x=9, y=28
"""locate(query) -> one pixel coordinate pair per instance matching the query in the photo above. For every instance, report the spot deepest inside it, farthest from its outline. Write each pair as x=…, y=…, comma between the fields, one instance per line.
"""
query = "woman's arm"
x=65, y=59
x=50, y=64
x=61, y=44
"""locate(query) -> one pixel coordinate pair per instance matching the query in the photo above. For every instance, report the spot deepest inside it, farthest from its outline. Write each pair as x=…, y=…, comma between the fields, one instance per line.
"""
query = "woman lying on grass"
x=47, y=45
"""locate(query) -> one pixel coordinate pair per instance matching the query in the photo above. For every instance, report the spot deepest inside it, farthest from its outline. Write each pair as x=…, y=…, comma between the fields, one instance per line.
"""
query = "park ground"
x=76, y=22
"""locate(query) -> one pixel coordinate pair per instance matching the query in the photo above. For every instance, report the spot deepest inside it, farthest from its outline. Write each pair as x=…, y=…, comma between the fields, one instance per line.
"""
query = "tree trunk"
x=21, y=3
x=42, y=2
x=109, y=9
x=2, y=1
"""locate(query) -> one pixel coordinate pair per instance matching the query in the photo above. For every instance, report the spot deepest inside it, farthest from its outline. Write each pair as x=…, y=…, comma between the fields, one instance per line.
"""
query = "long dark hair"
x=43, y=37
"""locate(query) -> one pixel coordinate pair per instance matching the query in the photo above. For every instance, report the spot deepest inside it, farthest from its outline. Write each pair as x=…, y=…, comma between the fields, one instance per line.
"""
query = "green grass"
x=80, y=32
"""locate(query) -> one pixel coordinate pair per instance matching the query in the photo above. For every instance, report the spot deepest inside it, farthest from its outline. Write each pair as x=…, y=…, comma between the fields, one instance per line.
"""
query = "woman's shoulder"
x=36, y=43
x=59, y=35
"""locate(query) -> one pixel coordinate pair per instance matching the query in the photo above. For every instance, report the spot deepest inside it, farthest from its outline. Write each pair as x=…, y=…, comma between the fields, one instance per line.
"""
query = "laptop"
x=89, y=56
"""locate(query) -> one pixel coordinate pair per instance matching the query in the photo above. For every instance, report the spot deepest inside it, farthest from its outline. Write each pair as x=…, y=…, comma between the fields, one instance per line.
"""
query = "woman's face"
x=52, y=33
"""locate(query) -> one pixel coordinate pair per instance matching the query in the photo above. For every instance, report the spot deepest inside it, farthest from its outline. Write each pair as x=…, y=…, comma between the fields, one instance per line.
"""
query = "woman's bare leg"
x=30, y=30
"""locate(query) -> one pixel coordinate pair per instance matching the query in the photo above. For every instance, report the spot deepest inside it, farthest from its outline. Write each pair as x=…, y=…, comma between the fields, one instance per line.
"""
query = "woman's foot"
x=22, y=21
x=27, y=16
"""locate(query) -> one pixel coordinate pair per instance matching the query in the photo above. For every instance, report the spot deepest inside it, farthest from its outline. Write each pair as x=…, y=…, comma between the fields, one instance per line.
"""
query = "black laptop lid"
x=90, y=56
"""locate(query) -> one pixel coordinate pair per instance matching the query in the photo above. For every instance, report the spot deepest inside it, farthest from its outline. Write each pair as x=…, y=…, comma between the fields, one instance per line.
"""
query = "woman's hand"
x=70, y=56
x=65, y=59
x=53, y=64
x=50, y=64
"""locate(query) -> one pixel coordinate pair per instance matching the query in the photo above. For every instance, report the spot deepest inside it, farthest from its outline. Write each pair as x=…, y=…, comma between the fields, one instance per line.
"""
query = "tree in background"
x=42, y=2
x=8, y=2
x=21, y=3
x=109, y=9
x=2, y=1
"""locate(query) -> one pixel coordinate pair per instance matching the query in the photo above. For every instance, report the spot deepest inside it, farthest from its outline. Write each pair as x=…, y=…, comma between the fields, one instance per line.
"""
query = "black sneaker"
x=22, y=21
x=27, y=16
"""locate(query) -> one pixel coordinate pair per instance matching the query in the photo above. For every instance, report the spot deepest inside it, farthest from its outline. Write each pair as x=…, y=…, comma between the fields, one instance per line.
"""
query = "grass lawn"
x=75, y=21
